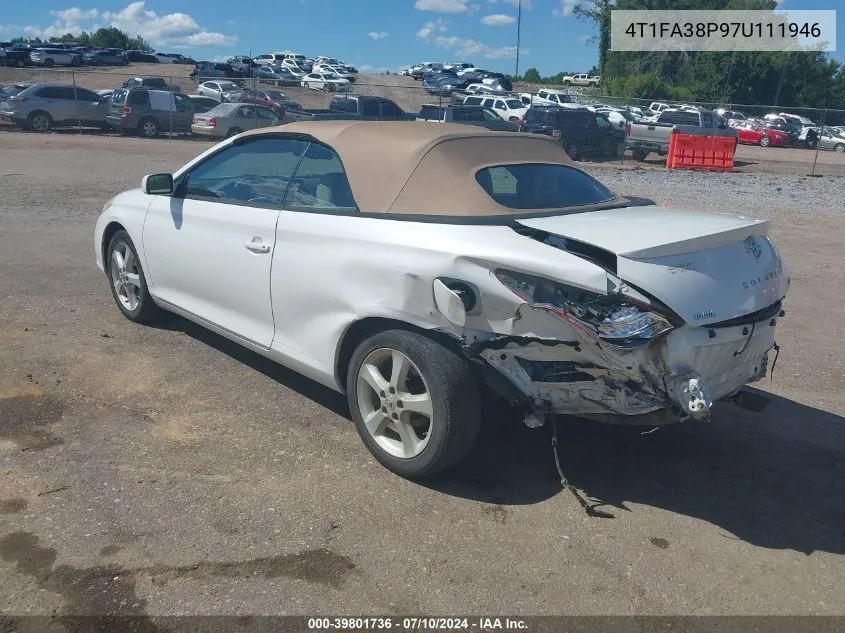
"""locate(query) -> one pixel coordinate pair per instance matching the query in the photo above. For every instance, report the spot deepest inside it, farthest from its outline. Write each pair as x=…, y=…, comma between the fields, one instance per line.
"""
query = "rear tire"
x=839, y=148
x=574, y=151
x=640, y=154
x=48, y=63
x=435, y=379
x=233, y=132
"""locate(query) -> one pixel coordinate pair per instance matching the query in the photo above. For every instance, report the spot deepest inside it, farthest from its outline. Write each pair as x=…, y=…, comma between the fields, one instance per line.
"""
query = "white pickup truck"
x=584, y=79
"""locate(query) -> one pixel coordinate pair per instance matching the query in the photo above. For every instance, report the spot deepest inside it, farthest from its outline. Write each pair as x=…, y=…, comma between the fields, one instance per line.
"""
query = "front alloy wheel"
x=415, y=403
x=128, y=284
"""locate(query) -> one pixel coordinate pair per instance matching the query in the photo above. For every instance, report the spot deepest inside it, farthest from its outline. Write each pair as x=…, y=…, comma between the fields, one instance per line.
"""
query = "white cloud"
x=430, y=28
x=473, y=48
x=378, y=35
x=442, y=6
x=177, y=30
x=566, y=8
x=498, y=19
x=75, y=14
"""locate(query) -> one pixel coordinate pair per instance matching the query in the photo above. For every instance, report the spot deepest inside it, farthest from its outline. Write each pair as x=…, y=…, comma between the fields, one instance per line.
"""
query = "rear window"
x=541, y=186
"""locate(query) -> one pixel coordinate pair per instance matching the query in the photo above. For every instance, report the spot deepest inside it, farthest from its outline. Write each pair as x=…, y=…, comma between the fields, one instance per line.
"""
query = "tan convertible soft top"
x=424, y=168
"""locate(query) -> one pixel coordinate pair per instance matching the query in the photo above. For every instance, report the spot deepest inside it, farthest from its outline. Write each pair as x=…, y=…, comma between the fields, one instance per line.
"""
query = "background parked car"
x=159, y=83
x=325, y=82
x=50, y=57
x=203, y=104
x=41, y=107
x=277, y=101
x=369, y=108
x=220, y=90
x=466, y=115
x=105, y=58
x=229, y=119
x=508, y=108
x=832, y=138
x=276, y=75
x=751, y=133
x=150, y=112
x=581, y=132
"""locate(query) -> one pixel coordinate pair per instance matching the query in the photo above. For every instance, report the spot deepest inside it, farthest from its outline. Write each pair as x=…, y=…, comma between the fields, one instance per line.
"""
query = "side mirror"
x=157, y=184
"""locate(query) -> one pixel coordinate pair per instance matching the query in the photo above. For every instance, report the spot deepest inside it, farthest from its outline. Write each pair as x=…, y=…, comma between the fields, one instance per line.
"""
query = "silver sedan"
x=229, y=119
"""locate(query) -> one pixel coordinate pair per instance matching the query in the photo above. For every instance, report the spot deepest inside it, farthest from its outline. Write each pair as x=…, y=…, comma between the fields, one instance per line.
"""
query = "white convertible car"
x=415, y=266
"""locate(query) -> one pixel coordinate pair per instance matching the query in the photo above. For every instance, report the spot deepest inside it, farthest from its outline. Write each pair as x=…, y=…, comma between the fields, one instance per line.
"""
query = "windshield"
x=228, y=85
x=541, y=186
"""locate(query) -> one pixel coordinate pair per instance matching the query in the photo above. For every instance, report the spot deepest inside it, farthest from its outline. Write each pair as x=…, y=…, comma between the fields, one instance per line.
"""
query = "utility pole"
x=518, y=33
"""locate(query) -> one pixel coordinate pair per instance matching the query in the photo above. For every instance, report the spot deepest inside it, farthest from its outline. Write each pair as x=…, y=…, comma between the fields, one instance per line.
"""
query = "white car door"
x=209, y=247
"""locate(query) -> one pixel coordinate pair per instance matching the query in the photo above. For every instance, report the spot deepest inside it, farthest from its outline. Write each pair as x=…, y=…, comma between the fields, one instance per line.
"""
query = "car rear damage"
x=645, y=353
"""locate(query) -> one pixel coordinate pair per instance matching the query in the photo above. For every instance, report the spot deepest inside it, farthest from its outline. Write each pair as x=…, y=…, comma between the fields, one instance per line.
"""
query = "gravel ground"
x=148, y=471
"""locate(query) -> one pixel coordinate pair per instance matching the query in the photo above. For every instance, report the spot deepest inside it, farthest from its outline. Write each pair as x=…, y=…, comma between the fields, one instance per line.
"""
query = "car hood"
x=706, y=267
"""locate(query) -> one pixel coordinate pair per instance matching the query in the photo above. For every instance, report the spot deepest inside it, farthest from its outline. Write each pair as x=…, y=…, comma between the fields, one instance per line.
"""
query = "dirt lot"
x=148, y=471
x=409, y=95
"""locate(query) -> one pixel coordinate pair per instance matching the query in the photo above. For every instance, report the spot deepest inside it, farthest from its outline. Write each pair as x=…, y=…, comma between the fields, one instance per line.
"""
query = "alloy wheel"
x=125, y=277
x=395, y=403
x=40, y=123
x=149, y=129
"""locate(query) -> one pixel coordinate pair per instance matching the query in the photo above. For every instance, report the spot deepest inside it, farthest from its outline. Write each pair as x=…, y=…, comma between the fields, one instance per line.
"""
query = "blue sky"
x=370, y=34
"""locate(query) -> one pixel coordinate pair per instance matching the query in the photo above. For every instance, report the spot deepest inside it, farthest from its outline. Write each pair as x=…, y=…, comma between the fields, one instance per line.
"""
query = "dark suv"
x=582, y=133
x=150, y=112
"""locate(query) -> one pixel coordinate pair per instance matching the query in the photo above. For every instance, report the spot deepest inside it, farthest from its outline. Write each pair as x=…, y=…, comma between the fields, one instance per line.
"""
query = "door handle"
x=256, y=245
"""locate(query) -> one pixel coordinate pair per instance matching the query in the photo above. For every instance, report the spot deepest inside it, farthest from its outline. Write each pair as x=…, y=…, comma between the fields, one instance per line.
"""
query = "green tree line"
x=808, y=79
x=107, y=37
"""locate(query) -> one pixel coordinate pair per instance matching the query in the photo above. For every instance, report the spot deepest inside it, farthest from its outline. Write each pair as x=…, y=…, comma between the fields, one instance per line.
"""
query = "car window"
x=369, y=108
x=266, y=113
x=388, y=108
x=500, y=105
x=602, y=121
x=246, y=112
x=320, y=182
x=183, y=103
x=48, y=92
x=138, y=97
x=256, y=171
x=706, y=120
x=514, y=104
x=86, y=95
x=540, y=186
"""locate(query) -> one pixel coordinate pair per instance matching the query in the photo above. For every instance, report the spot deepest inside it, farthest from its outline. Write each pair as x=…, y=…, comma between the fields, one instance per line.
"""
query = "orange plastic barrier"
x=695, y=151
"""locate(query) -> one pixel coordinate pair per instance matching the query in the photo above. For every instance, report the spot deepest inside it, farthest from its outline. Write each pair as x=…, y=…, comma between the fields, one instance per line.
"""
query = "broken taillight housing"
x=615, y=319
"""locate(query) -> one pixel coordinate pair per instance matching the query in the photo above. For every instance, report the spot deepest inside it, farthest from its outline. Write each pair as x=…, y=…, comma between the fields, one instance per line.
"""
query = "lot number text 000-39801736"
x=722, y=30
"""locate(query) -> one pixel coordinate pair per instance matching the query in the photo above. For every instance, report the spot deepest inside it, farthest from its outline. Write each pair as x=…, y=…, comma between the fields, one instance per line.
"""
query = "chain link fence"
x=614, y=130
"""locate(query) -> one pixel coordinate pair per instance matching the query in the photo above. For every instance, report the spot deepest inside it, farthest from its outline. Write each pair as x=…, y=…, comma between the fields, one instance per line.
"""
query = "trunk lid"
x=707, y=267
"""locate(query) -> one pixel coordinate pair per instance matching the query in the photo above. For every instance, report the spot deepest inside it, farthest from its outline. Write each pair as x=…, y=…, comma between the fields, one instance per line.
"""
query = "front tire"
x=765, y=141
x=39, y=121
x=839, y=148
x=415, y=403
x=128, y=282
x=574, y=151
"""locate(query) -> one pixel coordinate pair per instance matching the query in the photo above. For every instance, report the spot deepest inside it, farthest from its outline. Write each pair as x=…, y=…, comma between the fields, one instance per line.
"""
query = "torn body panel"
x=561, y=369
